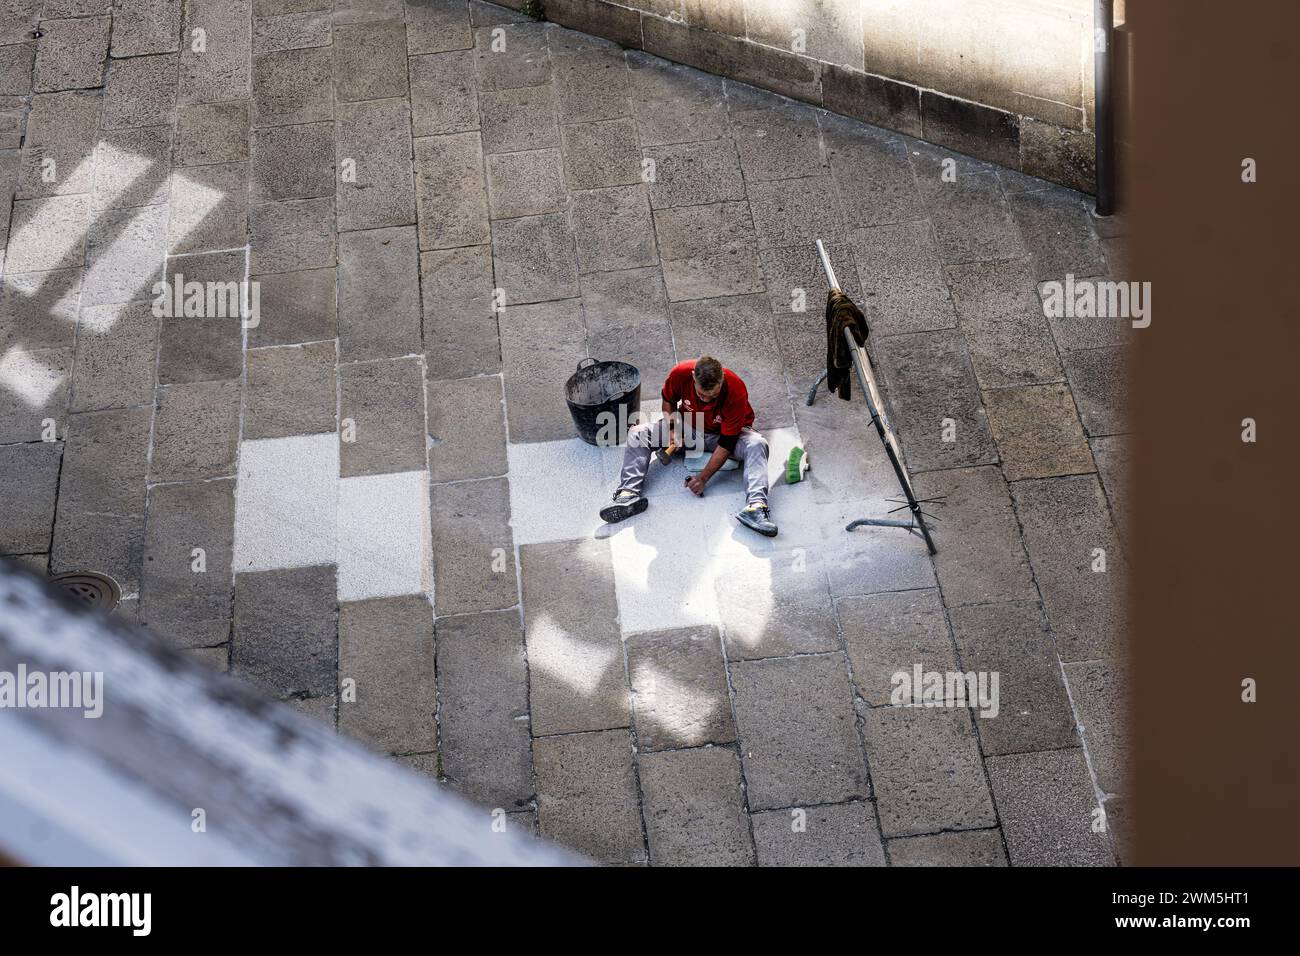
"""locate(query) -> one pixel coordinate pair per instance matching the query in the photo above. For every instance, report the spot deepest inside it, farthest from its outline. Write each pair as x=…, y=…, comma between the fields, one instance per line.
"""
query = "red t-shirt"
x=725, y=415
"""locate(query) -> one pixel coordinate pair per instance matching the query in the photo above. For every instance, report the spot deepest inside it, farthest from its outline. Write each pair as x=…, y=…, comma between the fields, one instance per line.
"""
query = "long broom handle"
x=826, y=264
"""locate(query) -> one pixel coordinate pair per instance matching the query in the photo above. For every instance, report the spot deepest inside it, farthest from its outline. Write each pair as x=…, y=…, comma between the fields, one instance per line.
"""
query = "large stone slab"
x=384, y=402
x=903, y=280
x=708, y=251
x=964, y=848
x=970, y=215
x=286, y=625
x=295, y=307
x=205, y=348
x=208, y=133
x=587, y=796
x=679, y=689
x=843, y=834
x=31, y=473
x=530, y=183
x=379, y=294
x=467, y=432
x=892, y=632
x=195, y=431
x=70, y=54
x=380, y=188
x=222, y=70
x=1038, y=432
x=1048, y=807
x=597, y=155
x=444, y=97
x=38, y=385
x=292, y=86
x=575, y=653
x=124, y=254
x=780, y=142
x=1010, y=341
x=1099, y=382
x=386, y=647
x=694, y=813
x=290, y=391
x=116, y=354
x=189, y=540
x=518, y=119
x=209, y=208
x=798, y=738
x=613, y=229
x=874, y=184
x=460, y=326
x=534, y=259
x=370, y=60
x=289, y=236
x=1057, y=231
x=140, y=91
x=1012, y=640
x=293, y=162
x=540, y=348
x=471, y=536
x=451, y=191
x=484, y=719
x=926, y=770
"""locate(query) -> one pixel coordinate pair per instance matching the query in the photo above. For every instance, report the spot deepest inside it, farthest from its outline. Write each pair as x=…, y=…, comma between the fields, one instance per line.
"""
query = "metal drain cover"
x=98, y=590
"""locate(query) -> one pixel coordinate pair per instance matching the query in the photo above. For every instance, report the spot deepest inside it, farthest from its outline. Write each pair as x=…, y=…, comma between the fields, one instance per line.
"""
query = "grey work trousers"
x=642, y=440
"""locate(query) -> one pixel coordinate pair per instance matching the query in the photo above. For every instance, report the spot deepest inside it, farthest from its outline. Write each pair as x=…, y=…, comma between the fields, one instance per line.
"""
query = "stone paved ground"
x=435, y=584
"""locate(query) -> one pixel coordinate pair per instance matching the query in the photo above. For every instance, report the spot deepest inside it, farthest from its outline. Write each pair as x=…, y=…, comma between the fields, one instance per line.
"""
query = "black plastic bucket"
x=604, y=399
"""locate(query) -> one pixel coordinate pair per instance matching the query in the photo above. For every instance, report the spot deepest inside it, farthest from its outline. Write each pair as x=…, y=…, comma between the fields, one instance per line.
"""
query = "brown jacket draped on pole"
x=841, y=312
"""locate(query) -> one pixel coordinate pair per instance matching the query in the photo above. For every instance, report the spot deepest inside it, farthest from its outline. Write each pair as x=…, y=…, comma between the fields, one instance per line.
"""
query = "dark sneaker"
x=626, y=504
x=758, y=518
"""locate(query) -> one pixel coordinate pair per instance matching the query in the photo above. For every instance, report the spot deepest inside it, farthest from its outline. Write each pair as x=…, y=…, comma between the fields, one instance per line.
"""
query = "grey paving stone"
x=286, y=631
x=376, y=137
x=294, y=307
x=379, y=294
x=70, y=54
x=797, y=735
x=59, y=145
x=888, y=633
x=1057, y=231
x=460, y=328
x=1113, y=457
x=209, y=209
x=694, y=814
x=386, y=645
x=1101, y=693
x=1099, y=381
x=590, y=86
x=1010, y=340
x=964, y=848
x=145, y=26
x=1033, y=707
x=1064, y=521
x=483, y=709
x=434, y=26
x=981, y=558
x=708, y=251
x=1038, y=432
x=30, y=472
x=132, y=167
x=970, y=216
x=16, y=61
x=679, y=689
x=444, y=98
x=843, y=834
x=471, y=531
x=39, y=309
x=289, y=236
x=614, y=229
x=222, y=71
x=201, y=349
x=587, y=797
x=384, y=400
x=117, y=350
x=1082, y=332
x=291, y=87
x=926, y=770
x=796, y=285
x=782, y=142
x=693, y=174
x=367, y=11
x=291, y=31
x=674, y=103
x=218, y=658
x=530, y=183
x=292, y=162
x=99, y=521
x=191, y=607
x=928, y=378
x=195, y=431
x=47, y=234
x=39, y=385
x=904, y=288
x=791, y=212
x=739, y=329
x=627, y=320
x=370, y=61
x=862, y=562
x=518, y=119
x=290, y=391
x=601, y=154
x=512, y=55
x=793, y=616
x=140, y=91
x=575, y=651
x=124, y=253
x=467, y=432
x=451, y=194
x=1047, y=804
x=874, y=184
x=534, y=259
x=209, y=133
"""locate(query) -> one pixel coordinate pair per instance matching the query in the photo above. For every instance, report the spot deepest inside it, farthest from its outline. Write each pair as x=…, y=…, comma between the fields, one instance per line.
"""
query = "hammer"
x=666, y=454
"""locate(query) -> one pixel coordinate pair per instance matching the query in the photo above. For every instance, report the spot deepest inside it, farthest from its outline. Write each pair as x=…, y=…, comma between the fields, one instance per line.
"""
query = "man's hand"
x=697, y=482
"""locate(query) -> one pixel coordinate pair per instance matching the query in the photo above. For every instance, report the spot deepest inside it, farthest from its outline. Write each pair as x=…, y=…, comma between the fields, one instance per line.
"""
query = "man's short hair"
x=708, y=372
